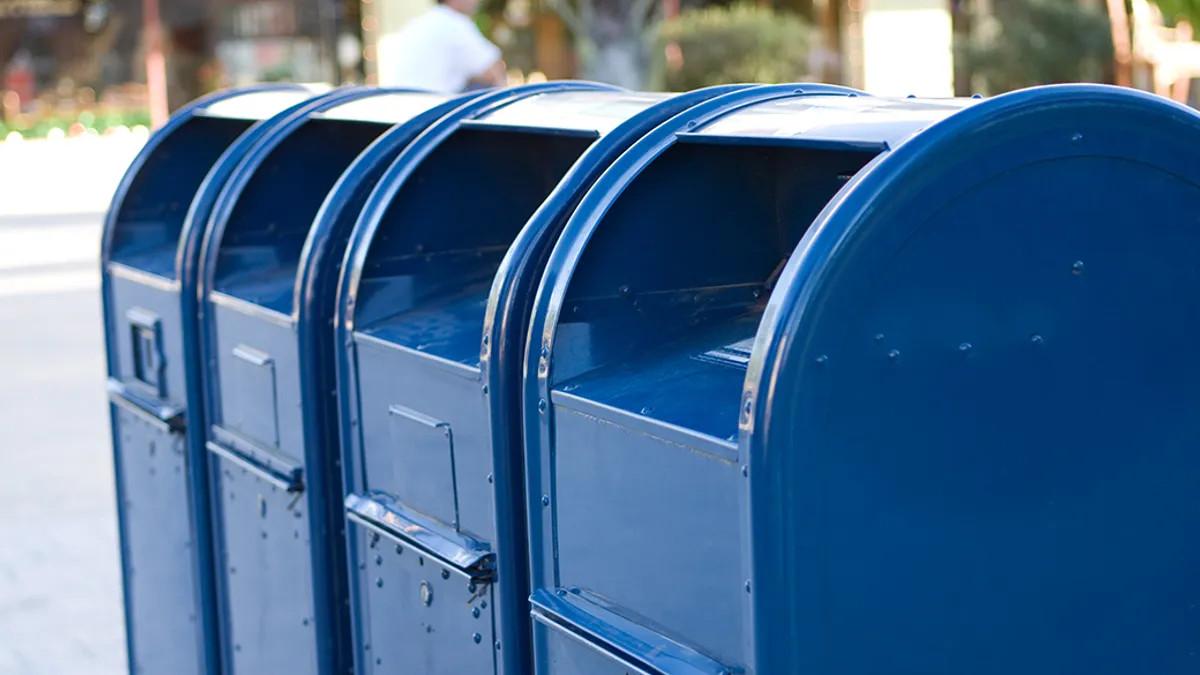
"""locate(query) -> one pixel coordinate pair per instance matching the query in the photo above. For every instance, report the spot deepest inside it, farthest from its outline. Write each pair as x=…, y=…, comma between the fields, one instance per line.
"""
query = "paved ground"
x=60, y=590
x=75, y=176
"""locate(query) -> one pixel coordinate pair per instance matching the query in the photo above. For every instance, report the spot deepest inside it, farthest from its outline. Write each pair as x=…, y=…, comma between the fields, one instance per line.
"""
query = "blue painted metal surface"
x=969, y=414
x=434, y=308
x=636, y=359
x=148, y=281
x=270, y=265
x=809, y=382
x=849, y=386
x=391, y=620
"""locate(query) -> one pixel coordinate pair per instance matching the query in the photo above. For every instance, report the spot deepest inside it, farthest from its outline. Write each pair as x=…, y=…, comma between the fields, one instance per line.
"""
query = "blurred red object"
x=19, y=77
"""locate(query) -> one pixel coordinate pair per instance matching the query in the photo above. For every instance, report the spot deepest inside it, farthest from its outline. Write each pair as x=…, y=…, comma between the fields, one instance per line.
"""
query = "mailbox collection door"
x=421, y=614
x=270, y=612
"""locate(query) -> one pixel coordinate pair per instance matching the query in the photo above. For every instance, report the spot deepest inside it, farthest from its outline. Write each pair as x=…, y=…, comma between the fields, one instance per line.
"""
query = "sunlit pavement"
x=55, y=178
x=60, y=588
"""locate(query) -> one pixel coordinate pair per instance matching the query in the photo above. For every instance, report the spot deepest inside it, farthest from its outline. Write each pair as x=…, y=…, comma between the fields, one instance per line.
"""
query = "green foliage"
x=1175, y=10
x=1032, y=42
x=127, y=118
x=41, y=127
x=741, y=43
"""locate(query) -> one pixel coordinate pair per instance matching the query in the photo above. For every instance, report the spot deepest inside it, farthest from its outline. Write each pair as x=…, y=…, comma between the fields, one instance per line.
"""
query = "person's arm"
x=482, y=61
x=495, y=75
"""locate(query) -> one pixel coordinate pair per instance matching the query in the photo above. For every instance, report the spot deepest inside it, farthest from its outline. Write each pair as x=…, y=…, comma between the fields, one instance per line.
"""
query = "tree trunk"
x=612, y=38
x=622, y=62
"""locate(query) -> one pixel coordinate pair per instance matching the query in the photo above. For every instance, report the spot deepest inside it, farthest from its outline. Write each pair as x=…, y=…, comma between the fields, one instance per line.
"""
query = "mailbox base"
x=266, y=567
x=157, y=544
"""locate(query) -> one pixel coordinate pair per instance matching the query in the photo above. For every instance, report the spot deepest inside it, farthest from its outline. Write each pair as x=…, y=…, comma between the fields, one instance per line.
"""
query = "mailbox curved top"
x=763, y=115
x=558, y=108
x=145, y=227
x=622, y=120
x=413, y=113
x=829, y=121
x=592, y=111
x=260, y=227
x=978, y=366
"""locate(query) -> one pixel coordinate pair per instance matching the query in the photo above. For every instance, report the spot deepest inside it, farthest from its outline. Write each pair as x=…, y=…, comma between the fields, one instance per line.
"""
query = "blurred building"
x=156, y=55
x=886, y=46
x=134, y=51
x=901, y=47
x=533, y=37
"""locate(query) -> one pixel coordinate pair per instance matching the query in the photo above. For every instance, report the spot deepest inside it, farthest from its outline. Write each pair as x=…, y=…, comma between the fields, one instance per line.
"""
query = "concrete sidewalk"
x=60, y=583
x=51, y=181
x=60, y=580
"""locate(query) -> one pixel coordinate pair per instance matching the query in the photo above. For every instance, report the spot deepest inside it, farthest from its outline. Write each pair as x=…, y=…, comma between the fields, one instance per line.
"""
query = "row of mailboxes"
x=568, y=380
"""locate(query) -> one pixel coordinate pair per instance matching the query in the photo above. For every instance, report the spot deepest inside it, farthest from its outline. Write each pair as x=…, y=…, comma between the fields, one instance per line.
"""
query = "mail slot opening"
x=682, y=307
x=152, y=214
x=265, y=234
x=428, y=272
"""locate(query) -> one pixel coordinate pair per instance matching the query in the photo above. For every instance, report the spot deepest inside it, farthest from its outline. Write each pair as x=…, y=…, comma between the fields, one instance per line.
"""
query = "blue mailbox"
x=149, y=254
x=637, y=353
x=433, y=311
x=969, y=415
x=848, y=386
x=269, y=275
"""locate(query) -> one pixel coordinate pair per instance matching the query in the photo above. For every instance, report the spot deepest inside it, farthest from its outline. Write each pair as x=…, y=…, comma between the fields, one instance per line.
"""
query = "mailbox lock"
x=426, y=593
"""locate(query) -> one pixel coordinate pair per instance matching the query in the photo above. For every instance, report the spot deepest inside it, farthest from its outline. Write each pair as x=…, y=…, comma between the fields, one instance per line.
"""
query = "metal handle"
x=252, y=356
x=145, y=336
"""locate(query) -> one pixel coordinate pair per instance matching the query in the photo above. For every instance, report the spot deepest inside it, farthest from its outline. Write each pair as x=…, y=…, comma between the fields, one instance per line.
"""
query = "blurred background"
x=83, y=83
x=99, y=65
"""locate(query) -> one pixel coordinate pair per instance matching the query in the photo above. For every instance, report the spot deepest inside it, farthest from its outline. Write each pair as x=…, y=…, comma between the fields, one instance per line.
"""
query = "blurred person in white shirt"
x=443, y=51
